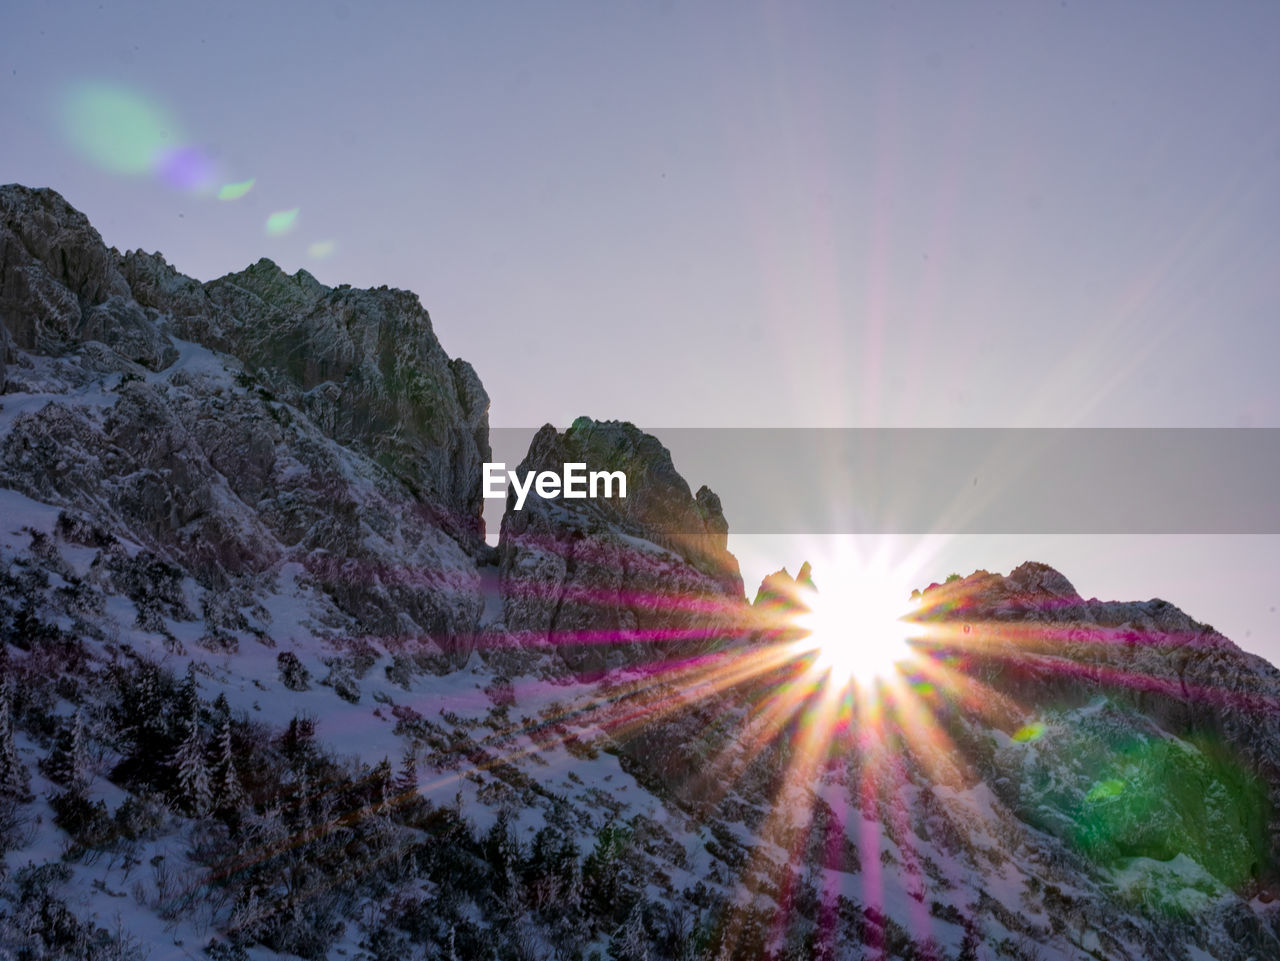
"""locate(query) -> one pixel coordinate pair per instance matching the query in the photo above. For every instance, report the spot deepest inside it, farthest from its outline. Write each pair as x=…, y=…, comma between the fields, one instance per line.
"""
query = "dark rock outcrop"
x=363, y=365
x=1040, y=649
x=609, y=583
x=60, y=285
x=337, y=434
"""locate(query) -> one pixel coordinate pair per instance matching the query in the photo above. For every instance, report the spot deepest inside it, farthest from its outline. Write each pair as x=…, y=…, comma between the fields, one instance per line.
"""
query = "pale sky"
x=733, y=214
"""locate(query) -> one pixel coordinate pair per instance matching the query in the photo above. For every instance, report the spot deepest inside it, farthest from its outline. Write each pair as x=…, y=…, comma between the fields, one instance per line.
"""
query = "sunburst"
x=857, y=625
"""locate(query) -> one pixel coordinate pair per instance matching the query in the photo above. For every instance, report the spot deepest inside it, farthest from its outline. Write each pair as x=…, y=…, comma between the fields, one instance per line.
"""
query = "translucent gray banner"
x=976, y=481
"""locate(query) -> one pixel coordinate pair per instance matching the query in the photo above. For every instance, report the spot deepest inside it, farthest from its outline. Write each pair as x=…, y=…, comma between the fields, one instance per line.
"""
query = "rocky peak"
x=1032, y=639
x=60, y=285
x=276, y=484
x=659, y=505
x=1032, y=577
x=363, y=365
x=779, y=598
x=614, y=582
x=776, y=588
x=338, y=435
x=41, y=227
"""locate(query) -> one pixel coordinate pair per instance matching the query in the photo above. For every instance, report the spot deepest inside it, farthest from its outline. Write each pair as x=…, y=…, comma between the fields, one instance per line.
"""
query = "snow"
x=648, y=546
x=196, y=360
x=543, y=716
x=19, y=512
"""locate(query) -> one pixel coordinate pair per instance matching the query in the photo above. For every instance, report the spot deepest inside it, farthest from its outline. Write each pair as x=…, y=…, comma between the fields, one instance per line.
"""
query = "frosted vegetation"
x=265, y=691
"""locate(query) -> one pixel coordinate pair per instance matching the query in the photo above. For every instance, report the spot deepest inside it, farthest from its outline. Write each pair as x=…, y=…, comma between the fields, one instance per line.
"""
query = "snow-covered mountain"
x=265, y=691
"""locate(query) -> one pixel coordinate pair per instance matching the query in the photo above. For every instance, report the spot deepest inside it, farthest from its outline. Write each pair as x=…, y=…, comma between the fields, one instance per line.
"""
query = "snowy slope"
x=265, y=691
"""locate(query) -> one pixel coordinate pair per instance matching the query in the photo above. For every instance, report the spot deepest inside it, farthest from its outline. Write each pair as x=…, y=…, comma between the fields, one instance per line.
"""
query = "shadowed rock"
x=614, y=582
x=341, y=436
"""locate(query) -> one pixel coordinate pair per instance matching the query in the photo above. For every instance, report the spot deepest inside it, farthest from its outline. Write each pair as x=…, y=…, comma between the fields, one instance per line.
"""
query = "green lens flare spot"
x=1032, y=732
x=116, y=128
x=281, y=222
x=237, y=190
x=1112, y=787
x=322, y=249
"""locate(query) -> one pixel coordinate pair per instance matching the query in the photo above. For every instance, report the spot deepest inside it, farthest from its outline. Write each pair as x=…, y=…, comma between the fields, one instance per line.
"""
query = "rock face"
x=1146, y=733
x=363, y=365
x=1127, y=730
x=61, y=286
x=321, y=427
x=625, y=581
x=193, y=474
x=778, y=599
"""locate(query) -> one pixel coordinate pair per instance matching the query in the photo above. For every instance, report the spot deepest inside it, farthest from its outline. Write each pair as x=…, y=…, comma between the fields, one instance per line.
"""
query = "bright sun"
x=855, y=622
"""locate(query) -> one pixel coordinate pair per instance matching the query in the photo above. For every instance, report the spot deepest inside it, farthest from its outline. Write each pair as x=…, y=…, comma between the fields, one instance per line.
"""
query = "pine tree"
x=542, y=852
x=380, y=788
x=15, y=781
x=406, y=786
x=190, y=772
x=297, y=742
x=630, y=943
x=144, y=714
x=569, y=870
x=551, y=871
x=228, y=794
x=68, y=760
x=603, y=878
x=189, y=695
x=502, y=850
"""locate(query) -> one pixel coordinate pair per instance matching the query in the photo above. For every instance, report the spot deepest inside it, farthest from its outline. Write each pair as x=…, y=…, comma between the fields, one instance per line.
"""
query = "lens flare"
x=857, y=624
x=236, y=190
x=322, y=249
x=857, y=632
x=117, y=129
x=281, y=221
x=124, y=132
x=187, y=168
x=1111, y=787
x=1031, y=732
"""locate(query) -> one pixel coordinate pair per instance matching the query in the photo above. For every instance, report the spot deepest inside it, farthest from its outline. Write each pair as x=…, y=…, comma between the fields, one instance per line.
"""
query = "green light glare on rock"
x=117, y=129
x=1111, y=787
x=1031, y=732
x=236, y=190
x=281, y=221
x=1127, y=795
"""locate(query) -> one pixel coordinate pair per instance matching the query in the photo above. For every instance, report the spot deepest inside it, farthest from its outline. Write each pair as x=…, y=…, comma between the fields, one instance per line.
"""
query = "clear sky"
x=731, y=214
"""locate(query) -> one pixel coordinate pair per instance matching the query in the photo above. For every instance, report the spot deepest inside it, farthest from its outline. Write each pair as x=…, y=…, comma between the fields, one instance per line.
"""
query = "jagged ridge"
x=274, y=484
